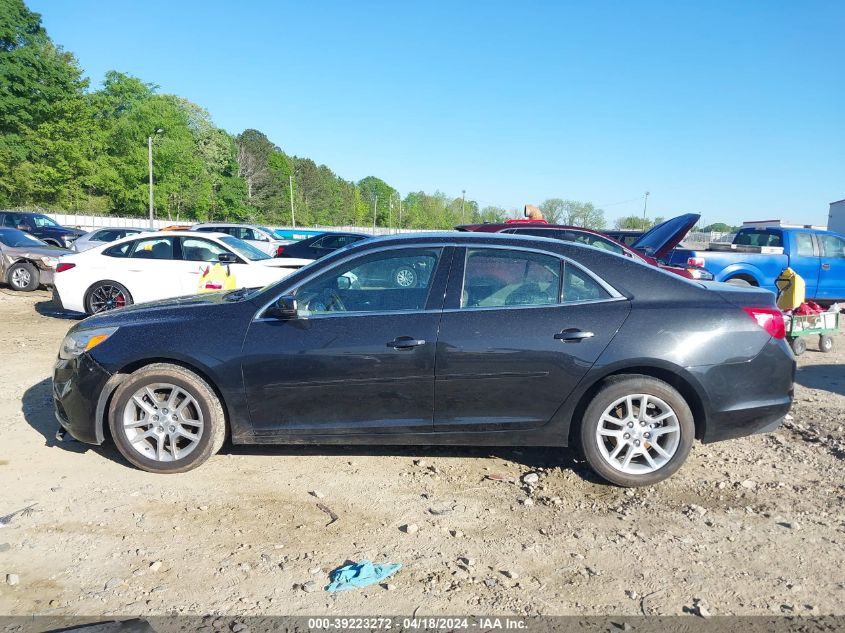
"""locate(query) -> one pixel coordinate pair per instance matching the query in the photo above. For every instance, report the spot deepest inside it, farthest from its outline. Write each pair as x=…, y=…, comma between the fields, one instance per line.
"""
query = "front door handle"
x=825, y=266
x=573, y=335
x=405, y=342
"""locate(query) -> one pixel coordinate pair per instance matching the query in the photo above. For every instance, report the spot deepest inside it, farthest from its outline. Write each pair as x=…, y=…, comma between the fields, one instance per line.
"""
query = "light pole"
x=150, y=159
x=645, y=206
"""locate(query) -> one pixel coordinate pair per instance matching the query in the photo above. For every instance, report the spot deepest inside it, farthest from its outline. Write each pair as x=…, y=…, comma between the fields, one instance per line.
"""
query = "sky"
x=735, y=110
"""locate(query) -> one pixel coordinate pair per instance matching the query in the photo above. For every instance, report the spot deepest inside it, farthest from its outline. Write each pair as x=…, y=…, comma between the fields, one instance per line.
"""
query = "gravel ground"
x=753, y=526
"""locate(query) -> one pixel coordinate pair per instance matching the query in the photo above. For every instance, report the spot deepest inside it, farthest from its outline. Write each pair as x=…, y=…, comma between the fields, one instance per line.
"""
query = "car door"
x=804, y=259
x=359, y=356
x=150, y=269
x=832, y=269
x=198, y=253
x=520, y=328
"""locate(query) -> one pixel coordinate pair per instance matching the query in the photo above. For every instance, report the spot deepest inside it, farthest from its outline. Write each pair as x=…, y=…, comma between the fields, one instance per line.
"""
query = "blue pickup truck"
x=759, y=253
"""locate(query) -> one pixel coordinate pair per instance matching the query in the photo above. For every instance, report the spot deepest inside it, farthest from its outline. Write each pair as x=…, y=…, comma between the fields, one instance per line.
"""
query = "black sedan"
x=509, y=340
x=318, y=246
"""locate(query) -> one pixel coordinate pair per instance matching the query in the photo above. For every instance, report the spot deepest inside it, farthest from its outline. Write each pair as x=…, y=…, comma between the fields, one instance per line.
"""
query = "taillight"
x=279, y=250
x=770, y=319
x=695, y=262
x=63, y=266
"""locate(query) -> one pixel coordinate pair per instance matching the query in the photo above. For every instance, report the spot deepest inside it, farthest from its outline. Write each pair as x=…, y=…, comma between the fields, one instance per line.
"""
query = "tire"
x=106, y=295
x=157, y=455
x=24, y=277
x=798, y=345
x=607, y=458
x=825, y=343
x=737, y=281
x=405, y=277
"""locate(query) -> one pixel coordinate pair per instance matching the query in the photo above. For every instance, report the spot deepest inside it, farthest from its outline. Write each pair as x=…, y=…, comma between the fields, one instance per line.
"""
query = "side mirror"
x=227, y=258
x=344, y=283
x=283, y=308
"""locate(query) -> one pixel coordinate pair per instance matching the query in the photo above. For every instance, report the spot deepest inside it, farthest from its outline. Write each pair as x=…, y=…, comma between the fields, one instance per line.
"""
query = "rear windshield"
x=758, y=237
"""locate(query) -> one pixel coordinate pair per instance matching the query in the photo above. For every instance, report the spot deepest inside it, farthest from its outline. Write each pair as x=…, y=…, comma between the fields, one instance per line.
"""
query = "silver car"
x=260, y=237
x=27, y=262
x=98, y=237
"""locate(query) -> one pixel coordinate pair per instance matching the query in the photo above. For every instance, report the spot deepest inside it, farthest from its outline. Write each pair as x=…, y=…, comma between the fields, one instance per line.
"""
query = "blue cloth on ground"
x=359, y=575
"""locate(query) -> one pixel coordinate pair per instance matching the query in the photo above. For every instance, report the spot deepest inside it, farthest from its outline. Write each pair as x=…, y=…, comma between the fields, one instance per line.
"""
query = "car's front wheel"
x=23, y=276
x=637, y=431
x=405, y=277
x=165, y=418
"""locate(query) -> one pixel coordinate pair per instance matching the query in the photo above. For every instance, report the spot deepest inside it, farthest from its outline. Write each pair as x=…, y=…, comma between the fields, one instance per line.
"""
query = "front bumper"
x=77, y=386
x=750, y=397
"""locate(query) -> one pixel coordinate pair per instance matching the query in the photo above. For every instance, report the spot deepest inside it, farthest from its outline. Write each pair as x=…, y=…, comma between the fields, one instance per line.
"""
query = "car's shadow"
x=49, y=309
x=825, y=377
x=37, y=406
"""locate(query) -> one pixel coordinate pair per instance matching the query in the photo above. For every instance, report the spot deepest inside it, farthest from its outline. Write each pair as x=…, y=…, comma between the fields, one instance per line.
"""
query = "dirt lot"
x=754, y=526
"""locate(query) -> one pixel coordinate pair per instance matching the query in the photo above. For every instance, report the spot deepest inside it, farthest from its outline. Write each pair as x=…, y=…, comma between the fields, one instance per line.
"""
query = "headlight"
x=50, y=262
x=81, y=341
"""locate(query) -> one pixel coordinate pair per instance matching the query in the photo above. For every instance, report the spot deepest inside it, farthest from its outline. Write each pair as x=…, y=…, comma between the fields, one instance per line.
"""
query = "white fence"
x=91, y=222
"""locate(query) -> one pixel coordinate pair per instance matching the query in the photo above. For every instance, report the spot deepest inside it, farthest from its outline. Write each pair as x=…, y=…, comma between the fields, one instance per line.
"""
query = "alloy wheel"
x=20, y=277
x=163, y=422
x=405, y=277
x=107, y=297
x=638, y=434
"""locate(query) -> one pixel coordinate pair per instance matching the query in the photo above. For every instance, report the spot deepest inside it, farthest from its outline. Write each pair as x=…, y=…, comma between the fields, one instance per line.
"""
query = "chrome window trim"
x=538, y=306
x=615, y=295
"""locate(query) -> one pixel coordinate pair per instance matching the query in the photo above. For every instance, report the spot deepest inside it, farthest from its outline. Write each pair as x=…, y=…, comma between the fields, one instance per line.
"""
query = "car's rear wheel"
x=637, y=431
x=166, y=419
x=23, y=276
x=106, y=295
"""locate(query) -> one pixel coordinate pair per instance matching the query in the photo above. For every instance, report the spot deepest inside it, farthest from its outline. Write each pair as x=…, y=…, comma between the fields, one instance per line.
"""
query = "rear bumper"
x=77, y=385
x=750, y=397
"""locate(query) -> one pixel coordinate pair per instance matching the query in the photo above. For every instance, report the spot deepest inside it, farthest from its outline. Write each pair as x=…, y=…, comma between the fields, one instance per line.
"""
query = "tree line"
x=64, y=146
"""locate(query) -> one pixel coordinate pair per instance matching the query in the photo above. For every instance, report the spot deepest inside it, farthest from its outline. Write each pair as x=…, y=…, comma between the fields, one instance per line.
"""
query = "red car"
x=651, y=247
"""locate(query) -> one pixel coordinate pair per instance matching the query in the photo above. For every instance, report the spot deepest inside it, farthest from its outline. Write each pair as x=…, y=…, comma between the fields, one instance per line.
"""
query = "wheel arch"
x=674, y=377
x=90, y=287
x=746, y=272
x=106, y=395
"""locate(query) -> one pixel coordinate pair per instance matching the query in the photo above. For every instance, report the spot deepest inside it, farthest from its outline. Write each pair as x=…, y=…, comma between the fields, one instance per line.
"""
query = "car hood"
x=157, y=310
x=35, y=252
x=285, y=262
x=661, y=239
x=61, y=230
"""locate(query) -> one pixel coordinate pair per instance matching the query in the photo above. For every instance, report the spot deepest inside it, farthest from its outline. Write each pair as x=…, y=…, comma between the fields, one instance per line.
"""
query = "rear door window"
x=152, y=248
x=804, y=242
x=495, y=278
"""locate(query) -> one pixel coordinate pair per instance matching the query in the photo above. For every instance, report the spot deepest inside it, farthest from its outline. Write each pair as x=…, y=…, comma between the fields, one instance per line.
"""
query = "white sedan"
x=153, y=266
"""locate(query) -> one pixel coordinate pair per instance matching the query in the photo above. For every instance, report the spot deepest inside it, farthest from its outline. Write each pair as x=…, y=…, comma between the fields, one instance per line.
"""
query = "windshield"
x=42, y=221
x=16, y=239
x=243, y=249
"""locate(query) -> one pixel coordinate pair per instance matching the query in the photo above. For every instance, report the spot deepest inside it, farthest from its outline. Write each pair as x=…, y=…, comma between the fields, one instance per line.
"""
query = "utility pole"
x=463, y=197
x=150, y=165
x=375, y=206
x=400, y=212
x=292, y=217
x=645, y=206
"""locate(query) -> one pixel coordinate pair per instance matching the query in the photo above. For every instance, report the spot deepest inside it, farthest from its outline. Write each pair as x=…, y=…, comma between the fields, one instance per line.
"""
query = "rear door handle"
x=825, y=266
x=405, y=342
x=573, y=335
